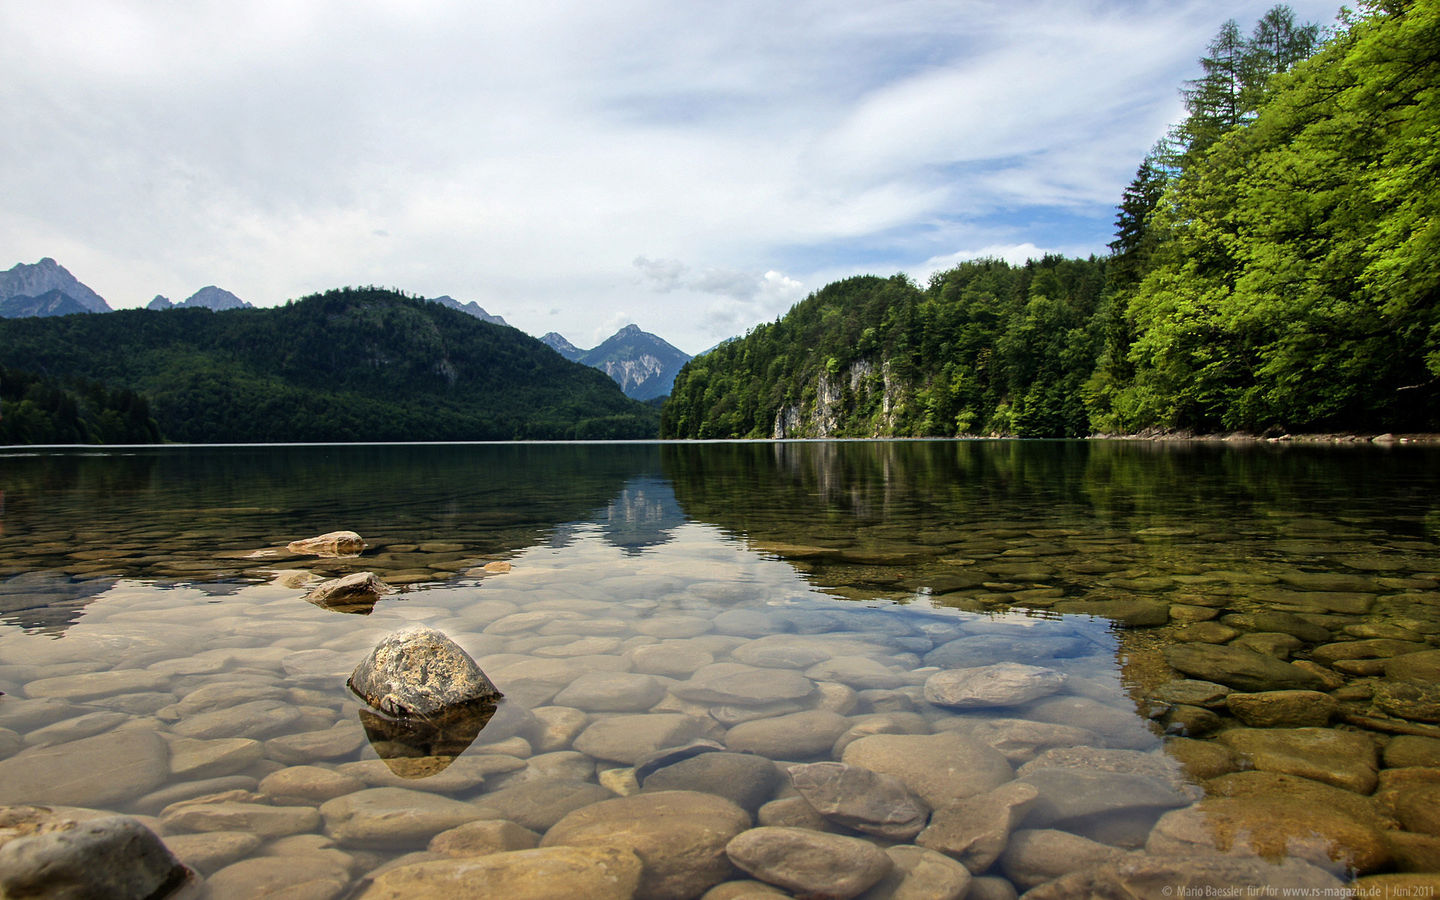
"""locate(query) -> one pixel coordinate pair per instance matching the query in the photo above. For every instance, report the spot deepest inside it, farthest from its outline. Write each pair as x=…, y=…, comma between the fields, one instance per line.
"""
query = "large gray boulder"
x=418, y=671
x=112, y=856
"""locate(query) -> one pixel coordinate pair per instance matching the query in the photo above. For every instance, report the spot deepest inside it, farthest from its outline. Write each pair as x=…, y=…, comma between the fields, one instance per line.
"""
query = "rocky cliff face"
x=35, y=280
x=858, y=385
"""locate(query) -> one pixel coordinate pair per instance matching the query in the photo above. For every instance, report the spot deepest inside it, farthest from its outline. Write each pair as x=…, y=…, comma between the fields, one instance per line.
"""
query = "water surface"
x=146, y=603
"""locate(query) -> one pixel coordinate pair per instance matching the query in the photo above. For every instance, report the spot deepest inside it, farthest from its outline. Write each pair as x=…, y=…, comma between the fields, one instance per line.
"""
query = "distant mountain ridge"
x=35, y=280
x=643, y=364
x=470, y=308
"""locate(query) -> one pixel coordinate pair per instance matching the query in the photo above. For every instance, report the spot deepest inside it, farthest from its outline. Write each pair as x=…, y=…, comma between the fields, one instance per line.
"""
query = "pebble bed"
x=1004, y=710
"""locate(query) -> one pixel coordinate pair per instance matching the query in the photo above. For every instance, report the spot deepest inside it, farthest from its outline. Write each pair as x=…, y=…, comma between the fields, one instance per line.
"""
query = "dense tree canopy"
x=347, y=365
x=1275, y=266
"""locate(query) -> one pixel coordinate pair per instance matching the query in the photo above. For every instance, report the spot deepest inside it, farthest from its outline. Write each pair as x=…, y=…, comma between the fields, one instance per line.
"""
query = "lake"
x=879, y=669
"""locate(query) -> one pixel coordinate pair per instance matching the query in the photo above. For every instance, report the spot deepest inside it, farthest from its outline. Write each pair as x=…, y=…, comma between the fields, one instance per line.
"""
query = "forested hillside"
x=347, y=365
x=1275, y=266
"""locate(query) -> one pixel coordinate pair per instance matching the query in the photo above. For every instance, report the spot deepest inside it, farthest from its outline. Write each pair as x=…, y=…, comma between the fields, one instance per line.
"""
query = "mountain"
x=347, y=365
x=160, y=303
x=642, y=364
x=25, y=280
x=50, y=303
x=556, y=341
x=470, y=309
x=212, y=298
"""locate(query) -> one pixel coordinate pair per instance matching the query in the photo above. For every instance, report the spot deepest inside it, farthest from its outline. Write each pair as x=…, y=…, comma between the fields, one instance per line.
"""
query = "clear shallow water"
x=153, y=665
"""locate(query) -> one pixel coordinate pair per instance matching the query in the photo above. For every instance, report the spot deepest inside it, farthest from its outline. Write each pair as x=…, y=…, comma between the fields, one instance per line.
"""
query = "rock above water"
x=418, y=671
x=681, y=835
x=861, y=799
x=937, y=768
x=810, y=863
x=357, y=592
x=335, y=543
x=113, y=856
x=1242, y=669
x=1001, y=684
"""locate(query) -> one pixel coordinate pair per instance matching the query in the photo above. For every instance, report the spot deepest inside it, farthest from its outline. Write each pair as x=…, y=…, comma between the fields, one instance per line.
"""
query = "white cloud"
x=636, y=155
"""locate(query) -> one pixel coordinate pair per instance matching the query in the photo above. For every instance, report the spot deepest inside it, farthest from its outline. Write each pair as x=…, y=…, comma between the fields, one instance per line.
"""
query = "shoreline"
x=1385, y=439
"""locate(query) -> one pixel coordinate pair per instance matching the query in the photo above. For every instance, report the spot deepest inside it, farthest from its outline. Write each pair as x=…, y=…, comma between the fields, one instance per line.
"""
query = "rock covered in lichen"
x=418, y=671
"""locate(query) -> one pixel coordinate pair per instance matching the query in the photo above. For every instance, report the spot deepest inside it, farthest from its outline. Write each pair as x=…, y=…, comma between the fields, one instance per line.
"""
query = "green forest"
x=348, y=365
x=1275, y=269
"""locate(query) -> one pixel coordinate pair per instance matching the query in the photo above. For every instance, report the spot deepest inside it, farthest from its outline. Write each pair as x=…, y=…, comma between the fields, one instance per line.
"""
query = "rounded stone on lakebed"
x=1000, y=684
x=680, y=835
x=418, y=671
x=810, y=862
x=112, y=856
x=593, y=873
x=937, y=768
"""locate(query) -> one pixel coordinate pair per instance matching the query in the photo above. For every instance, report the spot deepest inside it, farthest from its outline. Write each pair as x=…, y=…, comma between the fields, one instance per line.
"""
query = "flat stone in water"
x=975, y=830
x=742, y=778
x=801, y=735
x=192, y=759
x=1342, y=758
x=1000, y=684
x=100, y=771
x=680, y=834
x=395, y=817
x=256, y=719
x=937, y=768
x=234, y=815
x=612, y=692
x=112, y=856
x=1271, y=827
x=1242, y=669
x=539, y=804
x=921, y=874
x=1282, y=709
x=92, y=685
x=593, y=873
x=987, y=649
x=630, y=738
x=311, y=876
x=309, y=784
x=483, y=837
x=743, y=684
x=861, y=799
x=810, y=862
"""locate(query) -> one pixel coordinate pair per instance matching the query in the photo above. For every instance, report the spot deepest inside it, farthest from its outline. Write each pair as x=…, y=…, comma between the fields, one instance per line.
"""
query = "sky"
x=694, y=168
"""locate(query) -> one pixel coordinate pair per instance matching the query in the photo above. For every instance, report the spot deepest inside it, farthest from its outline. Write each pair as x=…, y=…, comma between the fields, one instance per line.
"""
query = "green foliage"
x=348, y=365
x=985, y=347
x=1276, y=266
x=39, y=410
x=1295, y=277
